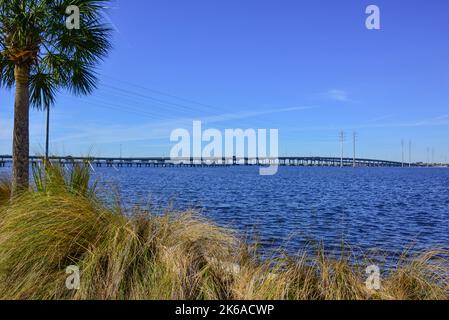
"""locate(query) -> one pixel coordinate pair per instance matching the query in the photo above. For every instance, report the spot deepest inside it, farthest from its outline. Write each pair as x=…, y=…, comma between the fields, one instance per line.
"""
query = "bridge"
x=211, y=162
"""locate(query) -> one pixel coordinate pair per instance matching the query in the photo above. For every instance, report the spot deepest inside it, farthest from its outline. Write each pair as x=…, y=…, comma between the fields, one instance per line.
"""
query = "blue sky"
x=308, y=68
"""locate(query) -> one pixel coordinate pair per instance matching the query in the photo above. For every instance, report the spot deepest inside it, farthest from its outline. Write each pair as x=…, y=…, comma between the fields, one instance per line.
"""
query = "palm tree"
x=40, y=55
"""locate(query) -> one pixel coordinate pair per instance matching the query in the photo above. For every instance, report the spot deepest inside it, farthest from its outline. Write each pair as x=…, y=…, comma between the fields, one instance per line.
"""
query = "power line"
x=121, y=106
x=136, y=100
x=212, y=110
x=124, y=108
x=165, y=103
x=106, y=104
x=161, y=92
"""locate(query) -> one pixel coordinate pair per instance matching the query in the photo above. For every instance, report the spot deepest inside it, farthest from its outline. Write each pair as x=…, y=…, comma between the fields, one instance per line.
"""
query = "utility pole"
x=342, y=141
x=47, y=130
x=47, y=134
x=410, y=153
x=402, y=145
x=433, y=157
x=354, y=148
x=428, y=160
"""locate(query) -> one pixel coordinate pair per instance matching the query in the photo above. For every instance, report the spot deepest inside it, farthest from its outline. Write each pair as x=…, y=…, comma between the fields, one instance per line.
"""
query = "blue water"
x=386, y=209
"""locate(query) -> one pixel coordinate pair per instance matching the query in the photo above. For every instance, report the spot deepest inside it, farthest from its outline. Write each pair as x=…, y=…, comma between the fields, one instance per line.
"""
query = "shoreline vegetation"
x=60, y=222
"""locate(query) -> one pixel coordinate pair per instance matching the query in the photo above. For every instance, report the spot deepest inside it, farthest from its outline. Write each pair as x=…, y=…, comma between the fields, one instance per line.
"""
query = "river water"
x=387, y=209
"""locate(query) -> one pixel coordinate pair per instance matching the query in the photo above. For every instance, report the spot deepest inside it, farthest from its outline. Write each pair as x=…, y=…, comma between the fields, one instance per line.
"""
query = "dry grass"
x=5, y=190
x=175, y=256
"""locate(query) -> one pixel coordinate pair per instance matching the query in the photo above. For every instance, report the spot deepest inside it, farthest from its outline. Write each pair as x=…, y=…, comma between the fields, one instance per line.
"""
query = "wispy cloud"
x=252, y=114
x=436, y=121
x=442, y=117
x=336, y=95
x=382, y=118
x=154, y=130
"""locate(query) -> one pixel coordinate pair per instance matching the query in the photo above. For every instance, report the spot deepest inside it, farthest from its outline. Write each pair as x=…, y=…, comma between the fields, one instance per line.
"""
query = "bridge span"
x=211, y=162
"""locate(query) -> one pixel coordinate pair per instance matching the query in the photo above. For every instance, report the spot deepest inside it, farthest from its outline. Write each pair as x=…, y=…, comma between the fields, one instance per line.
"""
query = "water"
x=387, y=209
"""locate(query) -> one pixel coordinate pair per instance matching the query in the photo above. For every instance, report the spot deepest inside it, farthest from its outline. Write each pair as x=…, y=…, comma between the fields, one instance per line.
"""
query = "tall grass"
x=5, y=190
x=176, y=256
x=74, y=179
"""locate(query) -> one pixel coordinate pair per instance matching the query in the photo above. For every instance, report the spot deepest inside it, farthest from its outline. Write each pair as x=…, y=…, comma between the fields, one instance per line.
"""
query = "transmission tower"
x=433, y=157
x=402, y=145
x=342, y=141
x=354, y=140
x=410, y=153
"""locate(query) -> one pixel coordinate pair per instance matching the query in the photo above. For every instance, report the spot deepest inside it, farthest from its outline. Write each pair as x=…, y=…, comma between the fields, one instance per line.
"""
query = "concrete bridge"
x=212, y=162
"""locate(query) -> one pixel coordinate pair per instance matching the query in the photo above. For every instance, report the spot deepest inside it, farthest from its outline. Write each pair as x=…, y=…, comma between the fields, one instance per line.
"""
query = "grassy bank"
x=177, y=256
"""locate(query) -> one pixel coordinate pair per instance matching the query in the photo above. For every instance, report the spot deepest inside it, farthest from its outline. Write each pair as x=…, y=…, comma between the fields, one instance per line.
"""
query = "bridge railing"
x=261, y=161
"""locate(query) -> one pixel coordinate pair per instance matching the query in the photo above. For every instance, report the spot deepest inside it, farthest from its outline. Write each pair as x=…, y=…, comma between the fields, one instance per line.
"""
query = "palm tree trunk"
x=21, y=145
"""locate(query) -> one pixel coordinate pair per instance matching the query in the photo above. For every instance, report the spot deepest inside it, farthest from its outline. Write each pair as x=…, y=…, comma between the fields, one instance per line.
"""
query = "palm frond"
x=6, y=72
x=43, y=90
x=35, y=32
